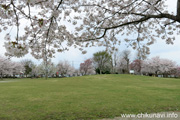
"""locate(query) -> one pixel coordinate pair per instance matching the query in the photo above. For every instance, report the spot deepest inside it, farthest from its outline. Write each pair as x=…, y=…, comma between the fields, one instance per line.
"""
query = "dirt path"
x=153, y=116
x=4, y=81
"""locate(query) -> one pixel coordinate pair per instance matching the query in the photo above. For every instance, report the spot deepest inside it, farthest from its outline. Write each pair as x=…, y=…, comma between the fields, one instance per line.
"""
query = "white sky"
x=74, y=56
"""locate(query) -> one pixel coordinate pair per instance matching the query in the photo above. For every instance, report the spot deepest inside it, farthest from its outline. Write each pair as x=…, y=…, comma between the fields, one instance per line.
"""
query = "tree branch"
x=145, y=18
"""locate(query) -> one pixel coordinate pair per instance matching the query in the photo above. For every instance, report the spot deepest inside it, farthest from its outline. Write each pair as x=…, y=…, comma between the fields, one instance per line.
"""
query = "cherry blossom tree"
x=64, y=68
x=115, y=58
x=123, y=62
x=17, y=69
x=46, y=69
x=122, y=66
x=99, y=21
x=76, y=72
x=157, y=65
x=4, y=66
x=141, y=22
x=44, y=31
x=136, y=66
x=177, y=72
x=36, y=70
x=167, y=67
x=8, y=67
x=86, y=67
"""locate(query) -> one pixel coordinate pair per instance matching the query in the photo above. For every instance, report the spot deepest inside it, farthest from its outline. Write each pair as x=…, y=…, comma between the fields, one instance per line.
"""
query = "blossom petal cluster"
x=44, y=27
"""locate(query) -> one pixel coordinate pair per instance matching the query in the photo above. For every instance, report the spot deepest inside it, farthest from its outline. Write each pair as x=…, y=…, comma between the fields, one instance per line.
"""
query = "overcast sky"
x=160, y=48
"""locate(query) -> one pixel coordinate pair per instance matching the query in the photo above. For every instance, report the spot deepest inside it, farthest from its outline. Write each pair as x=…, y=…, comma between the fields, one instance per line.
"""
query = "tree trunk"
x=46, y=69
x=1, y=76
x=128, y=66
x=100, y=71
x=85, y=72
x=156, y=74
x=178, y=8
x=141, y=67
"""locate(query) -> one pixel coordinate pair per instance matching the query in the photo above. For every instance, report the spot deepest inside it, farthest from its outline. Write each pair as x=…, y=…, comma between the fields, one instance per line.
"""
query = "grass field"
x=87, y=97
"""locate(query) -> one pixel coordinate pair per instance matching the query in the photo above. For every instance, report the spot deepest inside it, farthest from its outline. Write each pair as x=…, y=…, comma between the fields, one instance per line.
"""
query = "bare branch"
x=147, y=17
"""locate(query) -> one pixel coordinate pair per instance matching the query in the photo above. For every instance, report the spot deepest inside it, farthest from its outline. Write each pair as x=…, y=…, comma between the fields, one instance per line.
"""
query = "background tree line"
x=102, y=62
x=120, y=63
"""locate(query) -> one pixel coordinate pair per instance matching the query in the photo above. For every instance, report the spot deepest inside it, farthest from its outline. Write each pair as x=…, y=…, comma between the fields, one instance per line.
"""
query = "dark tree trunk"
x=178, y=8
x=127, y=66
x=100, y=71
x=1, y=76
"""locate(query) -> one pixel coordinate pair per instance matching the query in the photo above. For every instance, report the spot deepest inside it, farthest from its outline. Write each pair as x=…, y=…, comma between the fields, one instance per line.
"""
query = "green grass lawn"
x=87, y=97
